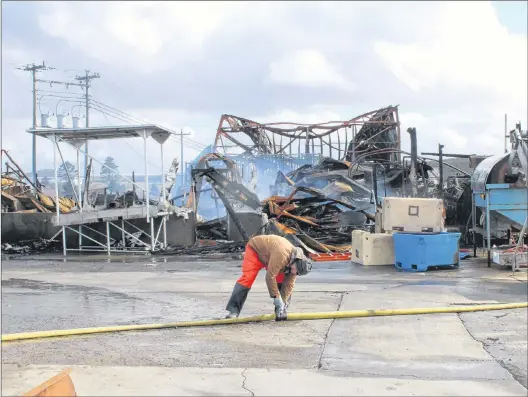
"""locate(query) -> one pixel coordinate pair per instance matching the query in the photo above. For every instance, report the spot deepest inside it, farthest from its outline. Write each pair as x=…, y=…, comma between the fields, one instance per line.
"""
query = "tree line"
x=109, y=174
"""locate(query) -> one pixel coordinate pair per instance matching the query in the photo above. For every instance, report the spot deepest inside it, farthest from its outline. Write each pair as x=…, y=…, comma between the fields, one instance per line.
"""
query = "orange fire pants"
x=251, y=266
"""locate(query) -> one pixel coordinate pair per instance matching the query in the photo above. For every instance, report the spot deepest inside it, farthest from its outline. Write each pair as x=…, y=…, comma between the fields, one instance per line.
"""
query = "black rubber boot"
x=237, y=300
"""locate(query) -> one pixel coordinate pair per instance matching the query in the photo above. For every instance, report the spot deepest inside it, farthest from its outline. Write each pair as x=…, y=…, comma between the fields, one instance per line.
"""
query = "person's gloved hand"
x=280, y=309
x=287, y=304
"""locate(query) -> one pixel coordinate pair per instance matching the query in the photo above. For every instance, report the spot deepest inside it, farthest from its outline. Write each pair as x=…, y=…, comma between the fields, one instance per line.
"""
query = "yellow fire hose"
x=266, y=317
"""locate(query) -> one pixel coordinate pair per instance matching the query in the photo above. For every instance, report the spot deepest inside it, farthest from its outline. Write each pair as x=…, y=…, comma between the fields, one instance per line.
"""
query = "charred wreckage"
x=311, y=183
x=315, y=183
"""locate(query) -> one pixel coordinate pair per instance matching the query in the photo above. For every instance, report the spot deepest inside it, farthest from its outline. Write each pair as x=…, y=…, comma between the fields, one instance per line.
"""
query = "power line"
x=64, y=93
x=192, y=145
x=135, y=119
x=127, y=118
x=67, y=84
x=107, y=113
x=130, y=146
x=110, y=114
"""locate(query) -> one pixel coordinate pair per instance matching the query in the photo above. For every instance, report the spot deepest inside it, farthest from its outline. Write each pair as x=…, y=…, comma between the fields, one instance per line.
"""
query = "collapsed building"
x=315, y=183
x=311, y=183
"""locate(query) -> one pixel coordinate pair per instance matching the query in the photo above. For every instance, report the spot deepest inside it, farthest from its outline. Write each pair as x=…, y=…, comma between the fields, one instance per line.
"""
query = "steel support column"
x=146, y=174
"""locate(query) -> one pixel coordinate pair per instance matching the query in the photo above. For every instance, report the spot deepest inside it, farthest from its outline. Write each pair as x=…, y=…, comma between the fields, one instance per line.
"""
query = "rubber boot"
x=237, y=300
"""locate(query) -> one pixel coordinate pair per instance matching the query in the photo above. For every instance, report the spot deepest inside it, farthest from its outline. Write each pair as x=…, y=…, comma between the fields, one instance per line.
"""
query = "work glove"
x=287, y=304
x=280, y=309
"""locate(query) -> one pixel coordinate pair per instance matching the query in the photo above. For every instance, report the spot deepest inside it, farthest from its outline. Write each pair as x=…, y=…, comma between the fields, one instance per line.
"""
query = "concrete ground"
x=479, y=354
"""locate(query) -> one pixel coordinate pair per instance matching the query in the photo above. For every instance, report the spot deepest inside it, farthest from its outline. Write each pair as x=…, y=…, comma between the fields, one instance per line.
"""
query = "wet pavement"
x=480, y=351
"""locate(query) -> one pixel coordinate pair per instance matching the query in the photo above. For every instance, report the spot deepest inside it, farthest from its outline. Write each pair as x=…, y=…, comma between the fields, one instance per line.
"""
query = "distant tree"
x=45, y=181
x=62, y=172
x=110, y=174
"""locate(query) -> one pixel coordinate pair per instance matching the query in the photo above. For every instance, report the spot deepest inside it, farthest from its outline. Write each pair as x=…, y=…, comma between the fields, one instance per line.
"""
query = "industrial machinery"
x=500, y=192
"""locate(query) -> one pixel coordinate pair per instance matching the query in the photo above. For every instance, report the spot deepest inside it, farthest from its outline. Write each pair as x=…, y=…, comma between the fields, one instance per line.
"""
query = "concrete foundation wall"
x=31, y=226
x=18, y=226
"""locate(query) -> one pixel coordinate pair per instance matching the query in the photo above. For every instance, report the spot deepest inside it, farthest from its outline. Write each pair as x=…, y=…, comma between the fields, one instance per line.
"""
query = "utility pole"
x=34, y=69
x=85, y=81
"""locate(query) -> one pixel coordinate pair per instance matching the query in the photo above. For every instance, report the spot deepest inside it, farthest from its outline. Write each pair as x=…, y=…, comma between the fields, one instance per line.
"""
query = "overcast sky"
x=455, y=68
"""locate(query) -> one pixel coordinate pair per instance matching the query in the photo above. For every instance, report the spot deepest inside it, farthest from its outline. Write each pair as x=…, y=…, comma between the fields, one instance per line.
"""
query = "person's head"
x=301, y=265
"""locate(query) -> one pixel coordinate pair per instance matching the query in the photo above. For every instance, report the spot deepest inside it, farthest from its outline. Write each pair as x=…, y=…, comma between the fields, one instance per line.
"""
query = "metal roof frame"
x=77, y=137
x=71, y=135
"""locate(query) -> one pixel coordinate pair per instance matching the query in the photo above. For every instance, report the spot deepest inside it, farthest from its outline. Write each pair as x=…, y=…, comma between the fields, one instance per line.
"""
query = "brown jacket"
x=276, y=253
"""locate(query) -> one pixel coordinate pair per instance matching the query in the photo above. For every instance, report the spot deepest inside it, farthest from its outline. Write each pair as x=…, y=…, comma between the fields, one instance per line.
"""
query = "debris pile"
x=215, y=229
x=457, y=203
x=17, y=194
x=204, y=247
x=31, y=246
x=322, y=208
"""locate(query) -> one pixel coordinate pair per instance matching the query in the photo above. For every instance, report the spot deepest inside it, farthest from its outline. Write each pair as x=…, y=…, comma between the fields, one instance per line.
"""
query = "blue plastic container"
x=419, y=251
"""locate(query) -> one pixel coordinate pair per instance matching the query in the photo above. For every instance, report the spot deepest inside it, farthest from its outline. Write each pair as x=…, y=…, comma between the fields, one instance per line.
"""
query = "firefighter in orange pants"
x=282, y=261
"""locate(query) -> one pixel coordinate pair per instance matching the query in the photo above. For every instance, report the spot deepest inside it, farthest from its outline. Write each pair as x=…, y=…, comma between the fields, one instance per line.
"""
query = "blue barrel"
x=420, y=251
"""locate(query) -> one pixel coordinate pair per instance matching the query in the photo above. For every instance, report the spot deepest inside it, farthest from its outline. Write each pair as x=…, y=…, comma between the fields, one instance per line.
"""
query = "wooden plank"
x=15, y=203
x=32, y=202
x=8, y=196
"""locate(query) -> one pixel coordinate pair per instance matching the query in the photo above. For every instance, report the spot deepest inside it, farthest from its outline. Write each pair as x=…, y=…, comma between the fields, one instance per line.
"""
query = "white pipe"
x=165, y=231
x=131, y=235
x=146, y=174
x=79, y=196
x=88, y=237
x=108, y=238
x=123, y=233
x=164, y=201
x=79, y=181
x=56, y=177
x=152, y=240
x=159, y=231
x=63, y=241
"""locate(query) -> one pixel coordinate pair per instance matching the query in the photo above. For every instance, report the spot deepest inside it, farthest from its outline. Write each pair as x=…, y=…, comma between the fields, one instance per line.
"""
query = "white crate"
x=413, y=214
x=372, y=249
x=356, y=252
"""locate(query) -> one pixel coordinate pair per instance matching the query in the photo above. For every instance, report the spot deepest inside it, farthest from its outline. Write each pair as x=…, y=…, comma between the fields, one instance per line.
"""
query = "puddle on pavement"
x=30, y=305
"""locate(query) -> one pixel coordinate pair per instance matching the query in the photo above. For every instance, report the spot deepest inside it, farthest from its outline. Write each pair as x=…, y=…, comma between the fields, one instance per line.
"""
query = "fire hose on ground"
x=265, y=317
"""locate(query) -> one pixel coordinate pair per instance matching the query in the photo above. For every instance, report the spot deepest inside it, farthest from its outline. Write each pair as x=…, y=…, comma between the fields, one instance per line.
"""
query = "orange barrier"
x=59, y=385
